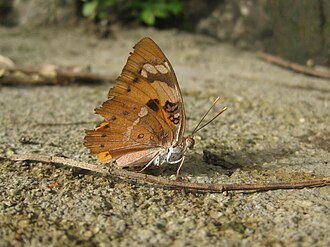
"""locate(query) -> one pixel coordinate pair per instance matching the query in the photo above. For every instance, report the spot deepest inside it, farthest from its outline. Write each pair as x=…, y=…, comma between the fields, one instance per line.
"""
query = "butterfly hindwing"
x=126, y=128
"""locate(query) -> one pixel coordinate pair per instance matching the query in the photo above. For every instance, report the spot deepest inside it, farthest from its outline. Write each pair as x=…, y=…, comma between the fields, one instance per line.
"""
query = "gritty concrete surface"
x=276, y=129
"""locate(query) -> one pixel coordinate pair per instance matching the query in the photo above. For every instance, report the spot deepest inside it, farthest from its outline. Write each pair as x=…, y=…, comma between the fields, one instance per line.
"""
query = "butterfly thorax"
x=175, y=154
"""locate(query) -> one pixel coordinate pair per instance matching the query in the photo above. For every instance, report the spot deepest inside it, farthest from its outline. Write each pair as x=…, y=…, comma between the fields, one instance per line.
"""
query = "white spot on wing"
x=143, y=112
x=127, y=134
x=136, y=122
x=161, y=68
x=167, y=66
x=150, y=68
x=144, y=73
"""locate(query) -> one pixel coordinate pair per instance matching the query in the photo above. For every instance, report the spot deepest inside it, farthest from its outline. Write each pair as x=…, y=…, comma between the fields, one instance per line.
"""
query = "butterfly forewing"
x=144, y=112
x=148, y=77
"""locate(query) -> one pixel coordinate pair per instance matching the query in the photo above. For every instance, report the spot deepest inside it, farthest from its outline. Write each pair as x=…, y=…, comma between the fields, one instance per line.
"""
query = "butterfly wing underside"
x=144, y=112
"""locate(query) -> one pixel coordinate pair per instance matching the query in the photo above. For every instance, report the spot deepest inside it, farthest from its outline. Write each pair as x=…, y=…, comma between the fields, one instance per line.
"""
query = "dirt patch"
x=274, y=133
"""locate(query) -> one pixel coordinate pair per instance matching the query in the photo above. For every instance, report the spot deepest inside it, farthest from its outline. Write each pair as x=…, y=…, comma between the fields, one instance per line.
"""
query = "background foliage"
x=146, y=11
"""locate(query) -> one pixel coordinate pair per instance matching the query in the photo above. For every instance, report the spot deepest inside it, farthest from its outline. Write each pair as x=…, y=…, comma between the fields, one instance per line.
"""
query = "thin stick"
x=174, y=184
x=325, y=73
x=49, y=74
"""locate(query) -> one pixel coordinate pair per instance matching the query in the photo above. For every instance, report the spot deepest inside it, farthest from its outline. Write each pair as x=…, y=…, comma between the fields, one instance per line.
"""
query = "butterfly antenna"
x=198, y=127
x=207, y=123
x=200, y=121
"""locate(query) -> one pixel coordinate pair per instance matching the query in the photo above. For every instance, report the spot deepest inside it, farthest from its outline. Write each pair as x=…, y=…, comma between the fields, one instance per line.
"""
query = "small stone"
x=23, y=223
x=88, y=234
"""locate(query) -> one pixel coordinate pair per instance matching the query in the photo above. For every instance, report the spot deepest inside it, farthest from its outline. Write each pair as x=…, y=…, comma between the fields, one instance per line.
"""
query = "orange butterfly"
x=144, y=117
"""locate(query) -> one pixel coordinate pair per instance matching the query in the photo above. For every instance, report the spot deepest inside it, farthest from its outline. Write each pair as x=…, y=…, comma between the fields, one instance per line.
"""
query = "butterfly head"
x=189, y=142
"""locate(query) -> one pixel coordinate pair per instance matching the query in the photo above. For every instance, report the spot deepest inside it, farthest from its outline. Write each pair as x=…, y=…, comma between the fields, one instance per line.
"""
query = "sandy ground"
x=276, y=129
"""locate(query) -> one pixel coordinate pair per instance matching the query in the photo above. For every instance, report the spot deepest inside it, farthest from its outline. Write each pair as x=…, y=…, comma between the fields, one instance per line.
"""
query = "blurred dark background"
x=297, y=30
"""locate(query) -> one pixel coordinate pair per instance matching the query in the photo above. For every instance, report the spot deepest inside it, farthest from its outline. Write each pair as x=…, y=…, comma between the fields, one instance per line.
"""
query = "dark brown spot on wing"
x=151, y=78
x=176, y=120
x=153, y=104
x=170, y=107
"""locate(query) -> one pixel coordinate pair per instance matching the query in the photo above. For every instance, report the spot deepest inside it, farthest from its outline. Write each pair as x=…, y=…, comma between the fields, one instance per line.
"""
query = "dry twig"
x=175, y=184
x=324, y=72
x=11, y=74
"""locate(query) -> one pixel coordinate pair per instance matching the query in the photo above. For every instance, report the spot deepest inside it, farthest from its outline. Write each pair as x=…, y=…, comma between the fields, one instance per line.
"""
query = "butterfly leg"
x=149, y=163
x=179, y=168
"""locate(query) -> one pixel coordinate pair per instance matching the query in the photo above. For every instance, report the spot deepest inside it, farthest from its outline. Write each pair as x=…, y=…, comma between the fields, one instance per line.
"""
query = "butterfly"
x=144, y=116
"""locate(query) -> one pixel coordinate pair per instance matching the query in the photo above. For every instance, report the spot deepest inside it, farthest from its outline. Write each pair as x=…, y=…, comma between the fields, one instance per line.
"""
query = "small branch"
x=174, y=184
x=318, y=72
x=48, y=74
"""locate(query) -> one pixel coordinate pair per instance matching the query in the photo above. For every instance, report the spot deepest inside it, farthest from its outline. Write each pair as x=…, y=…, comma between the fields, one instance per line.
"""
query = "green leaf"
x=146, y=10
x=89, y=9
x=109, y=3
x=103, y=15
x=175, y=7
x=148, y=17
x=159, y=12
